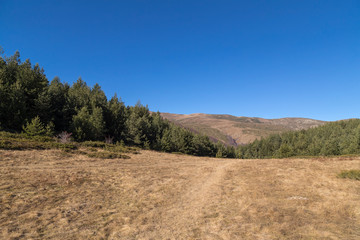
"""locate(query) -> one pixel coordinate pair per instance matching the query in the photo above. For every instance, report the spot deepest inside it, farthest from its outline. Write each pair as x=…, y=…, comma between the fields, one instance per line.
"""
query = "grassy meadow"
x=71, y=194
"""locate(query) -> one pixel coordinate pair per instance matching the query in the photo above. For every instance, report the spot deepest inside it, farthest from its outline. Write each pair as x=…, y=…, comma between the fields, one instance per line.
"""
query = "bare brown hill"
x=233, y=130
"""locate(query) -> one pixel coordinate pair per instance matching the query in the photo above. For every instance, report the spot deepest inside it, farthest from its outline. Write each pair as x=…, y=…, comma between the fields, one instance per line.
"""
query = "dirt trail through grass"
x=55, y=195
x=193, y=206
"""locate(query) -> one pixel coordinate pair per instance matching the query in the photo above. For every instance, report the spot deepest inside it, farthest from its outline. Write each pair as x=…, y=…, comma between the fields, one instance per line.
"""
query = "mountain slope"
x=233, y=130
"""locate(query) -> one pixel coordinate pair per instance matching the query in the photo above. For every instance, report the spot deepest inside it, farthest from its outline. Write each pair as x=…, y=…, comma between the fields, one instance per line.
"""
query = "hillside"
x=330, y=139
x=38, y=107
x=233, y=130
x=57, y=194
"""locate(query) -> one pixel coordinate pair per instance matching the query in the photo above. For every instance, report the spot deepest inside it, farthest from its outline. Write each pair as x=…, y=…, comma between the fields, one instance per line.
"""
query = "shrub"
x=67, y=146
x=109, y=140
x=11, y=141
x=93, y=144
x=64, y=137
x=92, y=149
x=352, y=174
x=4, y=144
x=107, y=155
x=42, y=139
x=120, y=148
x=50, y=129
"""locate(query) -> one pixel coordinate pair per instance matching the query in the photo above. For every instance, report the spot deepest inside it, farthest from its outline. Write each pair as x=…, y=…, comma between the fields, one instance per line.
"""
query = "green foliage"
x=60, y=112
x=50, y=129
x=35, y=127
x=79, y=96
x=284, y=151
x=115, y=118
x=120, y=148
x=221, y=151
x=97, y=124
x=351, y=174
x=138, y=125
x=331, y=139
x=21, y=85
x=202, y=146
x=88, y=126
x=84, y=113
x=224, y=152
x=81, y=125
x=107, y=155
x=95, y=144
x=15, y=141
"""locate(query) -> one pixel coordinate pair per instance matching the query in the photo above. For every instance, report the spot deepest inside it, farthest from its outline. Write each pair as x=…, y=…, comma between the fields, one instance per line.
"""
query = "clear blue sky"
x=266, y=59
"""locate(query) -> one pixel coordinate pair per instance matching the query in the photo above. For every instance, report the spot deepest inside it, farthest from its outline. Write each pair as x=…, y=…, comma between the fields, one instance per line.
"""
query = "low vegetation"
x=95, y=149
x=351, y=174
x=22, y=141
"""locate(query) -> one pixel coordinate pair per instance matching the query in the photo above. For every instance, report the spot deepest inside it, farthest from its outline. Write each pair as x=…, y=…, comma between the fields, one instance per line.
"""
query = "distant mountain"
x=233, y=130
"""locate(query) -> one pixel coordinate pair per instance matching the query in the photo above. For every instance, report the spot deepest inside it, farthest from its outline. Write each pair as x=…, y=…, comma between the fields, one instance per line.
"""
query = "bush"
x=93, y=144
x=41, y=139
x=107, y=155
x=11, y=141
x=64, y=137
x=66, y=146
x=4, y=144
x=50, y=129
x=352, y=174
x=109, y=140
x=120, y=148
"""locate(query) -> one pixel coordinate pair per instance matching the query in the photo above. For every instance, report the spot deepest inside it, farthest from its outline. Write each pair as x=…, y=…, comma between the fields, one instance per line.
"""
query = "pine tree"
x=81, y=125
x=97, y=124
x=115, y=118
x=60, y=111
x=35, y=127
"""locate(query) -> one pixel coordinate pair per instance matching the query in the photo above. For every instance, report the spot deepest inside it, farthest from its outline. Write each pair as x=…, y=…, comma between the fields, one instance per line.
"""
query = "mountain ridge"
x=234, y=130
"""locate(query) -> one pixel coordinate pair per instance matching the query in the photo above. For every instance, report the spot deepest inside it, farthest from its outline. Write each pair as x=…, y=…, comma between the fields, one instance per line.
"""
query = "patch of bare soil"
x=54, y=195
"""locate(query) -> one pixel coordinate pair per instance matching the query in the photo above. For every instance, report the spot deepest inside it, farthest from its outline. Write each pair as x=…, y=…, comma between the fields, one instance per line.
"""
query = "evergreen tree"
x=35, y=127
x=26, y=94
x=167, y=144
x=97, y=124
x=138, y=125
x=98, y=97
x=115, y=118
x=88, y=126
x=20, y=86
x=60, y=110
x=79, y=96
x=203, y=146
x=221, y=151
x=81, y=126
x=335, y=138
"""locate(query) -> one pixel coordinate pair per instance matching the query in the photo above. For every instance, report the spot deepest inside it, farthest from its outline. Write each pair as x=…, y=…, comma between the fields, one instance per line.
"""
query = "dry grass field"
x=50, y=194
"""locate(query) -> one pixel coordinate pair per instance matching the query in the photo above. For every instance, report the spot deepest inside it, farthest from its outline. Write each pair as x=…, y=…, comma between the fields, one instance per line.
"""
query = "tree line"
x=30, y=103
x=334, y=138
x=29, y=100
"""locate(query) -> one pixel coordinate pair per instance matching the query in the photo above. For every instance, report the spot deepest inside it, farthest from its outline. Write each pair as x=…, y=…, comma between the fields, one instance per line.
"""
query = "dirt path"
x=55, y=195
x=182, y=218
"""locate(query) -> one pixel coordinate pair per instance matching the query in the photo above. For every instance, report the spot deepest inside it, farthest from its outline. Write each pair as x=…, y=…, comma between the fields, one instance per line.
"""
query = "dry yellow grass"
x=53, y=195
